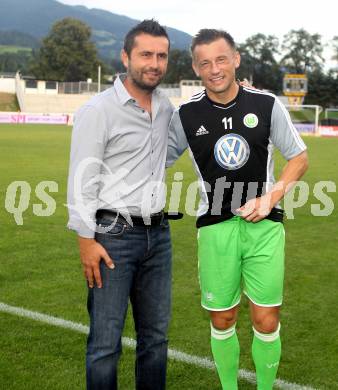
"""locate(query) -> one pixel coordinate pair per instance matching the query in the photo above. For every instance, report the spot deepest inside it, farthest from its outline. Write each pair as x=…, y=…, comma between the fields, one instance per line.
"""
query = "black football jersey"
x=231, y=147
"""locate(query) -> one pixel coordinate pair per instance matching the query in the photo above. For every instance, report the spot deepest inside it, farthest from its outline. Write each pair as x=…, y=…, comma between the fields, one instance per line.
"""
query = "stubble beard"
x=136, y=79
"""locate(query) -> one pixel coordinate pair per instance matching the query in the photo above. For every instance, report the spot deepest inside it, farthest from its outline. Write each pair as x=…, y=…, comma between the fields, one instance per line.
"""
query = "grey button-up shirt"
x=117, y=158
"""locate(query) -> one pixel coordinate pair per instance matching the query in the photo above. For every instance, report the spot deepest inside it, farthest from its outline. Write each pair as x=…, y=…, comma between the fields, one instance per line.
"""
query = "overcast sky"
x=241, y=18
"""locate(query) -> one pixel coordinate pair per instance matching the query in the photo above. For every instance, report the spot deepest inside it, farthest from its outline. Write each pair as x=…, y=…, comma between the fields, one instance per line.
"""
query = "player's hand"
x=256, y=209
x=91, y=253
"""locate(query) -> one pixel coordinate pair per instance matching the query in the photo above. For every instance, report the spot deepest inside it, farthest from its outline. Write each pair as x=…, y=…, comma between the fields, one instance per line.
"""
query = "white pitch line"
x=128, y=342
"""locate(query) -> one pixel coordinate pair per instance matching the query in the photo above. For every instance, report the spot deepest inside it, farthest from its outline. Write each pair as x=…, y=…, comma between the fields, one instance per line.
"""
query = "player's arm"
x=286, y=138
x=256, y=209
x=89, y=138
x=177, y=141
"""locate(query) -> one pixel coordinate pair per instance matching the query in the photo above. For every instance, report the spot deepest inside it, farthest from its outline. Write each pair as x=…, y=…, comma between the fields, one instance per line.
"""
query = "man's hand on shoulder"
x=91, y=253
x=245, y=83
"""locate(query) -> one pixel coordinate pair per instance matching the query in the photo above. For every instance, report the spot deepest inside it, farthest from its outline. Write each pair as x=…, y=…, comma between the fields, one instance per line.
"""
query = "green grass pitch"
x=40, y=271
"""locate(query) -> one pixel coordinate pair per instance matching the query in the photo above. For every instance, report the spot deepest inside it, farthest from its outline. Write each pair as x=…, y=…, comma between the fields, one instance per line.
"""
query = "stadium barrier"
x=328, y=131
x=33, y=118
x=67, y=119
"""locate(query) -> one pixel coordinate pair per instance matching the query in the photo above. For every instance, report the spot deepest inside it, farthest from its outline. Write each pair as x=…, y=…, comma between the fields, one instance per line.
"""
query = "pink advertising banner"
x=18, y=117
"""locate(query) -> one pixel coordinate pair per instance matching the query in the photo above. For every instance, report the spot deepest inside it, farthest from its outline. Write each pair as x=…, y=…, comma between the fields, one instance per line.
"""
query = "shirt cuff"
x=85, y=230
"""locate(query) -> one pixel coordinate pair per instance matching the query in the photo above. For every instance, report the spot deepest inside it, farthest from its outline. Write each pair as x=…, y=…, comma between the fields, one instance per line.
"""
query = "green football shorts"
x=236, y=252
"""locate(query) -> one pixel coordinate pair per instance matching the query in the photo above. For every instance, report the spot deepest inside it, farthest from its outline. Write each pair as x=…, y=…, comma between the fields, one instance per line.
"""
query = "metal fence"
x=170, y=92
x=81, y=87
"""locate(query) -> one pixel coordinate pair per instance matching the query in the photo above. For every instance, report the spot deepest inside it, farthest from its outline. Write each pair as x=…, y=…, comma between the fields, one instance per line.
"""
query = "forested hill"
x=35, y=18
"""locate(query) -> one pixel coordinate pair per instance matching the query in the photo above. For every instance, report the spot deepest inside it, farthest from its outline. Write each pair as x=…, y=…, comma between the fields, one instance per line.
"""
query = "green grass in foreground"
x=40, y=271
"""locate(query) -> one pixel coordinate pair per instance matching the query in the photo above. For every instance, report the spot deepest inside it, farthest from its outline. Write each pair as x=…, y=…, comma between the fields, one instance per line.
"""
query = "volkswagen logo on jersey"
x=231, y=151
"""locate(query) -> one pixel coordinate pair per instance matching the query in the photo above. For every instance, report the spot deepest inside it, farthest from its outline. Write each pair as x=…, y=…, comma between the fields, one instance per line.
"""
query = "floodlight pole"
x=99, y=79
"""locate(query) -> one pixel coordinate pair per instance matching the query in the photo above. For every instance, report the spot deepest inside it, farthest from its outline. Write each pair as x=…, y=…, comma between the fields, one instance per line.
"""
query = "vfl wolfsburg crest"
x=250, y=120
x=231, y=151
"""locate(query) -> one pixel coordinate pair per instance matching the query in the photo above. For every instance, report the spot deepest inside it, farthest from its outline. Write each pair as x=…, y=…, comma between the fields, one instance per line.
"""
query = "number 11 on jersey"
x=227, y=123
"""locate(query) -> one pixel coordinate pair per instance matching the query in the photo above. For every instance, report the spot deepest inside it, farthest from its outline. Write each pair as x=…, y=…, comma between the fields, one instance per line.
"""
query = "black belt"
x=154, y=219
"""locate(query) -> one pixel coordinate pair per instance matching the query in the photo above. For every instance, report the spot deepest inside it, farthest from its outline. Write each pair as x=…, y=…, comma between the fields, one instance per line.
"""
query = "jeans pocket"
x=111, y=228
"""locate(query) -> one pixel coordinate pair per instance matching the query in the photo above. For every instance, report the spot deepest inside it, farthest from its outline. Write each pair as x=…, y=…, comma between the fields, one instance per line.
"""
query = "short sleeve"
x=283, y=133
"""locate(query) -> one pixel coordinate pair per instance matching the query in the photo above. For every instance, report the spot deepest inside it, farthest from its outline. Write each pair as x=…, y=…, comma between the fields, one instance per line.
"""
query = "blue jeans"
x=142, y=258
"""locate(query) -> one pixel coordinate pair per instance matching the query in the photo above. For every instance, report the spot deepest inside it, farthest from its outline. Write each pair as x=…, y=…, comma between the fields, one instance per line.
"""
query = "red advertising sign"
x=328, y=131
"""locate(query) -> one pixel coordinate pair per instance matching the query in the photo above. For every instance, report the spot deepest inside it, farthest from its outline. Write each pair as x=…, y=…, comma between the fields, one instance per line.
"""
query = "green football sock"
x=266, y=352
x=225, y=349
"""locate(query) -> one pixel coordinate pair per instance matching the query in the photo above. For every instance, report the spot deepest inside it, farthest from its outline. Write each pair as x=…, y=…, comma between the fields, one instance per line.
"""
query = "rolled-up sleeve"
x=89, y=138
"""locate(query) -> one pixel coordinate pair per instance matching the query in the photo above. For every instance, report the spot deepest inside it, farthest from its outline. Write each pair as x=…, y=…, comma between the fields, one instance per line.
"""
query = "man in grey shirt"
x=116, y=197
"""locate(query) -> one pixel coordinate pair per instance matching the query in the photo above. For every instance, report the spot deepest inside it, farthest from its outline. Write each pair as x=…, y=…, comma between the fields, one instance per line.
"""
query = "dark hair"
x=148, y=26
x=208, y=35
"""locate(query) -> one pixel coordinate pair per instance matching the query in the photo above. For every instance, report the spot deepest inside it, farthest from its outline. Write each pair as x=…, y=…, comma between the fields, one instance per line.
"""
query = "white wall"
x=7, y=85
x=65, y=104
x=45, y=100
x=40, y=89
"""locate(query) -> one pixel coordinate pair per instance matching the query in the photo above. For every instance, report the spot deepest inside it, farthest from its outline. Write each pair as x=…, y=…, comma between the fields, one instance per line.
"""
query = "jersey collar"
x=229, y=104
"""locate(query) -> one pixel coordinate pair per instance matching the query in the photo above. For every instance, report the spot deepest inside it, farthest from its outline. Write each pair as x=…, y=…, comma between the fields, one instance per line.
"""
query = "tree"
x=12, y=62
x=335, y=48
x=303, y=51
x=16, y=38
x=258, y=62
x=179, y=67
x=117, y=66
x=67, y=54
x=322, y=88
